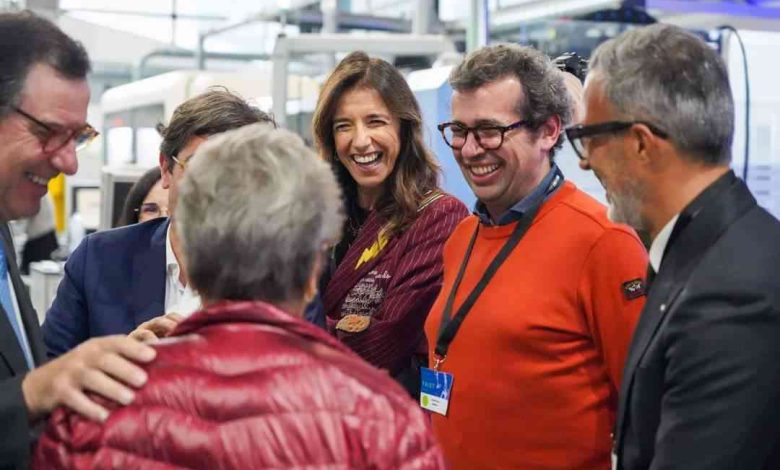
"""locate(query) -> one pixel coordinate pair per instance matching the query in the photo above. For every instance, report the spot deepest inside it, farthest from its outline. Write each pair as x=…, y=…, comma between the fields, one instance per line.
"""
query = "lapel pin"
x=353, y=323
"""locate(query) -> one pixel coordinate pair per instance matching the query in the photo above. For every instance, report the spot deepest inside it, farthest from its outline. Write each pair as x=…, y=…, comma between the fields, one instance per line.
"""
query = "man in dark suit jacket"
x=13, y=413
x=128, y=280
x=43, y=107
x=701, y=386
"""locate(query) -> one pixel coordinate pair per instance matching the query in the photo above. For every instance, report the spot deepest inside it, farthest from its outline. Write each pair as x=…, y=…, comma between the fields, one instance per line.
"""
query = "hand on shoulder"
x=156, y=328
x=105, y=366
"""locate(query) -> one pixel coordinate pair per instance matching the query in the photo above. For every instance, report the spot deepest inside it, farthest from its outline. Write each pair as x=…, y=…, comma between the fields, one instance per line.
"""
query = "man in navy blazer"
x=126, y=279
x=701, y=384
x=114, y=281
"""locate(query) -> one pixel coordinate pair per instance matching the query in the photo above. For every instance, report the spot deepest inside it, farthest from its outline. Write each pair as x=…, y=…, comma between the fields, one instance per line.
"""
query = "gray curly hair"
x=256, y=208
x=666, y=76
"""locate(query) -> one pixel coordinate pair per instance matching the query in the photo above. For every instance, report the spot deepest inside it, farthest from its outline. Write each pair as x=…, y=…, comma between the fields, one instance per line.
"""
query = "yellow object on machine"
x=57, y=193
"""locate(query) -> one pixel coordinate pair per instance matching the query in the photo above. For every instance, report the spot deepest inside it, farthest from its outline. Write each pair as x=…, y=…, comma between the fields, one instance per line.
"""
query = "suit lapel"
x=716, y=211
x=148, y=276
x=9, y=343
x=366, y=251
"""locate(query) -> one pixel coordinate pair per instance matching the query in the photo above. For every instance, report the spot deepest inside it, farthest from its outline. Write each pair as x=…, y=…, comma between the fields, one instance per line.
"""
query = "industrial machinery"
x=132, y=111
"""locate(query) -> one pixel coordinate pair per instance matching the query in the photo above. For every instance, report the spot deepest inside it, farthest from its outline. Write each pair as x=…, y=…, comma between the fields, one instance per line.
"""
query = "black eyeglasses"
x=578, y=134
x=488, y=137
x=54, y=139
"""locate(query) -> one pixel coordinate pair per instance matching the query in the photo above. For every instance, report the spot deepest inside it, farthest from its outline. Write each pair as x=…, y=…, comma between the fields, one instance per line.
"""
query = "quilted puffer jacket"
x=246, y=386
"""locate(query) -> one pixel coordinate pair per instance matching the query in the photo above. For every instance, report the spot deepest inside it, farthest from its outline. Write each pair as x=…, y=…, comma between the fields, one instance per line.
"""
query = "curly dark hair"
x=544, y=92
x=214, y=111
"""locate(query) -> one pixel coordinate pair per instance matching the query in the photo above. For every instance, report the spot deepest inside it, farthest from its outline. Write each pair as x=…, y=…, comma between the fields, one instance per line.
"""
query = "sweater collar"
x=549, y=184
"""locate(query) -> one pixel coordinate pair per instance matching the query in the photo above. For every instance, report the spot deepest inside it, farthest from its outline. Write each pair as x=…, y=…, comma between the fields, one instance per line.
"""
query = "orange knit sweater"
x=537, y=362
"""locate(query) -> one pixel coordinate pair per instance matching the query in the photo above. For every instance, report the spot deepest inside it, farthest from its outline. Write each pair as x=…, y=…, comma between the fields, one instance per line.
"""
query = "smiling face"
x=25, y=168
x=502, y=177
x=367, y=141
x=171, y=177
x=610, y=156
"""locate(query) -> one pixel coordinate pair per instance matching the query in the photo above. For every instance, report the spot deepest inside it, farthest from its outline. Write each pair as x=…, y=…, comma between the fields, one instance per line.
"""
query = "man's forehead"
x=494, y=100
x=597, y=105
x=55, y=98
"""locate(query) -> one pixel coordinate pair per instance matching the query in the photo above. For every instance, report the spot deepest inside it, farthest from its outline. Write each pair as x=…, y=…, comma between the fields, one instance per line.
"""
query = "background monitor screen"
x=121, y=188
x=86, y=201
x=115, y=185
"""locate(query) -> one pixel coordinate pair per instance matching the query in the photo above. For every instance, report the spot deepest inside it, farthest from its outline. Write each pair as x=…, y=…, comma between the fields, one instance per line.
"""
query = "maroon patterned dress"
x=379, y=295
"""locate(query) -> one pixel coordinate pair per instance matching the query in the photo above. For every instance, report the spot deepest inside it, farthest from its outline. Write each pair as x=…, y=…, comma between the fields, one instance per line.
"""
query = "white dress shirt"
x=660, y=241
x=179, y=298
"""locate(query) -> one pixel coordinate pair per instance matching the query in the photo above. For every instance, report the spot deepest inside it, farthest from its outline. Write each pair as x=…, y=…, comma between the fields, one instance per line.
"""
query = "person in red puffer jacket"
x=246, y=383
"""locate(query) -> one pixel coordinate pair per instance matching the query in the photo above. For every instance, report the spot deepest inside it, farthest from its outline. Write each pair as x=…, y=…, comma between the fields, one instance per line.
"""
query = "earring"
x=308, y=297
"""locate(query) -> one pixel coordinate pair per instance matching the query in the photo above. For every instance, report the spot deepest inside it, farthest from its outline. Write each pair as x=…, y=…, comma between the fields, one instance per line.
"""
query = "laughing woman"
x=386, y=271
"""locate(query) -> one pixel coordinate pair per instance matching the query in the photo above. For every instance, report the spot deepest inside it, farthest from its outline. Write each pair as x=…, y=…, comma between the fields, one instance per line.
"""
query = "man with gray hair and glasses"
x=701, y=386
x=43, y=110
x=245, y=382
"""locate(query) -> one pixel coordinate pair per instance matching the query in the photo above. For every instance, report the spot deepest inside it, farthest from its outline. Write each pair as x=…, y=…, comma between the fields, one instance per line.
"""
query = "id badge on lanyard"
x=436, y=385
x=435, y=389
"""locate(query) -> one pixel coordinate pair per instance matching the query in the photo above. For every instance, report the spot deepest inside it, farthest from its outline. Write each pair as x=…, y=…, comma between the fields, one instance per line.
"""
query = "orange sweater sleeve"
x=612, y=310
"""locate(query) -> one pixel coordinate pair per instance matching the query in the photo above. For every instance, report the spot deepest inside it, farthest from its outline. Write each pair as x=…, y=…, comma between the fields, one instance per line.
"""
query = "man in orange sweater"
x=541, y=291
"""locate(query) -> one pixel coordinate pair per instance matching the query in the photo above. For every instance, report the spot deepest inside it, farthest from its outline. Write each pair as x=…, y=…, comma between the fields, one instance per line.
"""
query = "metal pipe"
x=200, y=55
x=390, y=44
x=148, y=14
x=330, y=25
x=352, y=21
x=139, y=71
x=478, y=30
x=174, y=17
x=268, y=14
x=421, y=22
x=200, y=52
x=281, y=60
x=330, y=19
x=387, y=44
